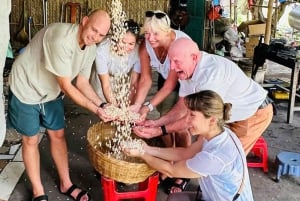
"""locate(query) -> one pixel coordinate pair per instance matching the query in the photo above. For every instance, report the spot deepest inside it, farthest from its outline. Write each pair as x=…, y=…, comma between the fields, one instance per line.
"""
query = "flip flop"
x=166, y=182
x=40, y=198
x=182, y=185
x=80, y=194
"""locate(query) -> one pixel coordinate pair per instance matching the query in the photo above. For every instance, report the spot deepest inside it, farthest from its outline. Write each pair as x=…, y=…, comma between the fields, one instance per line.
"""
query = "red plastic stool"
x=260, y=149
x=146, y=190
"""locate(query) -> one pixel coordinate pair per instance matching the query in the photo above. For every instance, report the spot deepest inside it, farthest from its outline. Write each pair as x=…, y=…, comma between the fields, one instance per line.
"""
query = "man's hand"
x=102, y=115
x=147, y=132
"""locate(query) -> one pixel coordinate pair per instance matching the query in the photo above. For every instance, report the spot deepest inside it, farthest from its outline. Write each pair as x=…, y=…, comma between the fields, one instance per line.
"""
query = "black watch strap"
x=164, y=130
x=102, y=104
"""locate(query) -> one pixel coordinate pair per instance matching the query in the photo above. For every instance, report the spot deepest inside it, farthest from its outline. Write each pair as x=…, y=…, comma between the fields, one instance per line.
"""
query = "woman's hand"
x=143, y=113
x=147, y=123
x=134, y=149
x=132, y=152
x=135, y=107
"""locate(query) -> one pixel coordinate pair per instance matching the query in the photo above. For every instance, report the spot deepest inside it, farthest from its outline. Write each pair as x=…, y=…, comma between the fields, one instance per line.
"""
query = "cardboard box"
x=250, y=43
x=256, y=29
x=252, y=27
x=249, y=52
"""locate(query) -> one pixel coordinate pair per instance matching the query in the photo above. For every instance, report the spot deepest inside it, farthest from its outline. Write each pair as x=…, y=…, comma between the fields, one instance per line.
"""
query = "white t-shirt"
x=107, y=62
x=221, y=163
x=162, y=68
x=53, y=51
x=229, y=81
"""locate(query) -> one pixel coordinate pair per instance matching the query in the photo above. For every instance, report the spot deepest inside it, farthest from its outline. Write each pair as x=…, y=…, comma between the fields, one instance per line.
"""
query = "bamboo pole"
x=269, y=22
x=235, y=12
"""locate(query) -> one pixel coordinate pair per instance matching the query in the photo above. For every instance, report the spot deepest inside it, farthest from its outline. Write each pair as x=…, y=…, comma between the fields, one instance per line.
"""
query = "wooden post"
x=269, y=22
x=235, y=12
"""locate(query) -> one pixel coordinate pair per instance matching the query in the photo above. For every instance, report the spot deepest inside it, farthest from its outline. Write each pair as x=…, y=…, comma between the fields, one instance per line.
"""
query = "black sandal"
x=183, y=184
x=166, y=182
x=80, y=194
x=40, y=198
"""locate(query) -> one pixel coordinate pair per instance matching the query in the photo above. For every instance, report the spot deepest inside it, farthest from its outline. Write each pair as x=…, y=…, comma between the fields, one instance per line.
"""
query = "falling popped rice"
x=120, y=91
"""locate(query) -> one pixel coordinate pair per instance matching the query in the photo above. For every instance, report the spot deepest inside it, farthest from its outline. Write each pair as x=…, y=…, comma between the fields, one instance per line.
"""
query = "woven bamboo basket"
x=119, y=170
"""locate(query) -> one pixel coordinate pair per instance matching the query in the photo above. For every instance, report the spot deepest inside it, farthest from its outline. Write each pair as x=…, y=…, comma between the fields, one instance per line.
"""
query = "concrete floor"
x=280, y=136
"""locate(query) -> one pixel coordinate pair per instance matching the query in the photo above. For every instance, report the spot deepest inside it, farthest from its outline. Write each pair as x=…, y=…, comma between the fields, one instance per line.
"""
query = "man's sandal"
x=40, y=198
x=80, y=194
x=182, y=185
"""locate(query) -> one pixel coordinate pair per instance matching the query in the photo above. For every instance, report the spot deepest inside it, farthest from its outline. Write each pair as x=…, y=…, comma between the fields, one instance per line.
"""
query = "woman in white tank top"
x=153, y=56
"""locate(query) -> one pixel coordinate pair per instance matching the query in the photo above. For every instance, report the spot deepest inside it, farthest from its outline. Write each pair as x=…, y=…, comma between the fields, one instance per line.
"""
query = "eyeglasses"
x=158, y=15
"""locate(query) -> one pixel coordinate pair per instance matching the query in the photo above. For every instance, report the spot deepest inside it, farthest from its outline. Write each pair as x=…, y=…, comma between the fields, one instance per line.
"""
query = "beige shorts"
x=249, y=130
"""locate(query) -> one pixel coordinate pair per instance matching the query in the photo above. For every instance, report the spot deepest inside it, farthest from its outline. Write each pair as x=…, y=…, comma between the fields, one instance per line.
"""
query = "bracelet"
x=164, y=130
x=102, y=104
x=149, y=105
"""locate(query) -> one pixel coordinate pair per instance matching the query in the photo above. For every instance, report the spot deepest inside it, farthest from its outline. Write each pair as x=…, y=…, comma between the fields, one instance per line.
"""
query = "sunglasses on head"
x=158, y=15
x=133, y=28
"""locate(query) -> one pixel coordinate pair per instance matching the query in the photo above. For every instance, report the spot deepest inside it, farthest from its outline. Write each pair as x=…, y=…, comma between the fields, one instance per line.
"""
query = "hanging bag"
x=215, y=12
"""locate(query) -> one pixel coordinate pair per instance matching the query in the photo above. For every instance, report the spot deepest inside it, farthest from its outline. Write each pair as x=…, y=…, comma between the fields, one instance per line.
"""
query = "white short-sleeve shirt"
x=108, y=63
x=221, y=163
x=221, y=75
x=53, y=51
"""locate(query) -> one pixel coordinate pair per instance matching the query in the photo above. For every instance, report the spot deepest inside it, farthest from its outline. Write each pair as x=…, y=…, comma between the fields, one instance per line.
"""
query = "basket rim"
x=109, y=166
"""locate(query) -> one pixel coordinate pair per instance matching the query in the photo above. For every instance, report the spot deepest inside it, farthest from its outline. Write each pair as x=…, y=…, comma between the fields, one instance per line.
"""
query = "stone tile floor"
x=280, y=136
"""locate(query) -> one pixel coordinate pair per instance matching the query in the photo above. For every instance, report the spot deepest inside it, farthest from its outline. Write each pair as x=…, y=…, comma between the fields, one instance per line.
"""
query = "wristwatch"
x=149, y=105
x=102, y=104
